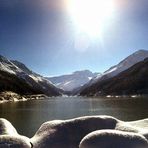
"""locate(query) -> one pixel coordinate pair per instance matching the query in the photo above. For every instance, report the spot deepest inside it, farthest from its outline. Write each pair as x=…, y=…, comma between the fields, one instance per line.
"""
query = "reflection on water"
x=28, y=116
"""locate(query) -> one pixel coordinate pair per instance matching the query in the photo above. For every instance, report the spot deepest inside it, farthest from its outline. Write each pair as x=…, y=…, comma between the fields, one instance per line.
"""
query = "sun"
x=90, y=15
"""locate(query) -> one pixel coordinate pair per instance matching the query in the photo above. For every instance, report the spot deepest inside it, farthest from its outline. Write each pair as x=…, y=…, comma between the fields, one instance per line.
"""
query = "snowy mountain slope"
x=8, y=66
x=23, y=67
x=72, y=81
x=131, y=60
x=32, y=79
x=133, y=81
x=128, y=62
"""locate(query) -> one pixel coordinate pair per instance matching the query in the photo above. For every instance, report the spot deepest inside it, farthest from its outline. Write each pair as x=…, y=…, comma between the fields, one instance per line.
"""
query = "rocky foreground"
x=83, y=132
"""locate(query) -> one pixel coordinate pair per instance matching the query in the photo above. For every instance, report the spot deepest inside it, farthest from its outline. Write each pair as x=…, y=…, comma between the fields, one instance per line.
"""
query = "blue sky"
x=40, y=34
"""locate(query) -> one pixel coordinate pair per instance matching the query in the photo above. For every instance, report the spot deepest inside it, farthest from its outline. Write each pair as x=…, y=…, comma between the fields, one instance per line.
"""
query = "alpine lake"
x=27, y=116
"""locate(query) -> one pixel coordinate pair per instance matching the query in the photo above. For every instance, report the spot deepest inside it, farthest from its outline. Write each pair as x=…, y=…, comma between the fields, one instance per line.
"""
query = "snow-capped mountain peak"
x=131, y=60
x=72, y=81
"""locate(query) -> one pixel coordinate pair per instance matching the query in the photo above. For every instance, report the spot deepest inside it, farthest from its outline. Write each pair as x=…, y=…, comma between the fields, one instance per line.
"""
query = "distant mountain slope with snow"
x=133, y=81
x=131, y=60
x=20, y=72
x=72, y=81
x=23, y=67
x=128, y=62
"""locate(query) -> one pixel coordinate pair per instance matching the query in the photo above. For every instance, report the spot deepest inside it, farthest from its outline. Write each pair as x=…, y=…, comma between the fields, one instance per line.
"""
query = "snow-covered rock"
x=10, y=138
x=74, y=80
x=113, y=139
x=69, y=133
x=6, y=128
x=82, y=132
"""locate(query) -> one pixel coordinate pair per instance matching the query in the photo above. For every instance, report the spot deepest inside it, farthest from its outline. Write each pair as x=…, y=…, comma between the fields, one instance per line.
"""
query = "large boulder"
x=113, y=139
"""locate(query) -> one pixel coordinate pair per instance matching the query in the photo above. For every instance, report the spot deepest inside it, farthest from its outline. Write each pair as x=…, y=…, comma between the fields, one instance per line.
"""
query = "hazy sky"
x=41, y=34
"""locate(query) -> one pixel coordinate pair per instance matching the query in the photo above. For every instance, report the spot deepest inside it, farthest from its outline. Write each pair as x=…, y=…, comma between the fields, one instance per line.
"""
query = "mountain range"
x=72, y=81
x=127, y=77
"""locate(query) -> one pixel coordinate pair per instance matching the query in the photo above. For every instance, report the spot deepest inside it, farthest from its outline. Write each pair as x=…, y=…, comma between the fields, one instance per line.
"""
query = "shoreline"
x=9, y=96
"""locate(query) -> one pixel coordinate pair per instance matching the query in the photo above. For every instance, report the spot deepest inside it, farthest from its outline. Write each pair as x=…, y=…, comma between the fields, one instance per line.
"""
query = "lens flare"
x=90, y=15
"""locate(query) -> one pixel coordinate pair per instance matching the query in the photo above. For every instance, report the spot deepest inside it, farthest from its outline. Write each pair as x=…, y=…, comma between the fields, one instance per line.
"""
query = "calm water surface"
x=28, y=116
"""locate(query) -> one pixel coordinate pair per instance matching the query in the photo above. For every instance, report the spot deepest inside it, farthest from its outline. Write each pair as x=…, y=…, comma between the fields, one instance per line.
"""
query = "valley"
x=128, y=78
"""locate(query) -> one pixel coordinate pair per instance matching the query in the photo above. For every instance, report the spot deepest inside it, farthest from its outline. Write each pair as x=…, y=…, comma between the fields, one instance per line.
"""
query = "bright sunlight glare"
x=90, y=15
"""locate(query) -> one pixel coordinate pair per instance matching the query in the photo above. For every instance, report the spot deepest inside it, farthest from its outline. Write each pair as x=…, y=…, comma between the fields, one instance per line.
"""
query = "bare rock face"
x=68, y=133
x=10, y=138
x=113, y=139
